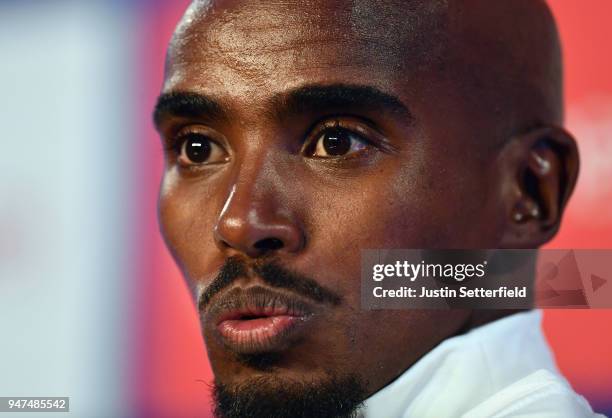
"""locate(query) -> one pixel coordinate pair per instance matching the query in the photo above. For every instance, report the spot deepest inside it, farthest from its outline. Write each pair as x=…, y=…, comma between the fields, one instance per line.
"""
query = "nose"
x=257, y=225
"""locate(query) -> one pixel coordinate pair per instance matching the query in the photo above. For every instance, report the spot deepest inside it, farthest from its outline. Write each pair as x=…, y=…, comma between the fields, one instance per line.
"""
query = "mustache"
x=271, y=273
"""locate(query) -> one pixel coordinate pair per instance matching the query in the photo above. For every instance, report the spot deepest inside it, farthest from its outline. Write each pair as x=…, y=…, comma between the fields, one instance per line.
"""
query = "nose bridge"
x=252, y=187
x=255, y=218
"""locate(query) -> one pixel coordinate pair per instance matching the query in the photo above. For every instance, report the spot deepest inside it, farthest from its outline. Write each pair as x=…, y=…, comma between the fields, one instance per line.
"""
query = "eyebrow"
x=310, y=98
x=187, y=105
x=314, y=98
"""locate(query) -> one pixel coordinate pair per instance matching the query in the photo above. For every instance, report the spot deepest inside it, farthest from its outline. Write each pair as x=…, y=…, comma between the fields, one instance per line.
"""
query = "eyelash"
x=316, y=134
x=363, y=129
x=174, y=144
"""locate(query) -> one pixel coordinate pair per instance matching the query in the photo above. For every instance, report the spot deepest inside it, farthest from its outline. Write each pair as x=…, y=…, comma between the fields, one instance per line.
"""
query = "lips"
x=257, y=320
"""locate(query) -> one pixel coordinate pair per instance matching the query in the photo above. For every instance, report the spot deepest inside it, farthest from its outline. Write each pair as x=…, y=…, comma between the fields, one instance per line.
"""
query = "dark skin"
x=454, y=143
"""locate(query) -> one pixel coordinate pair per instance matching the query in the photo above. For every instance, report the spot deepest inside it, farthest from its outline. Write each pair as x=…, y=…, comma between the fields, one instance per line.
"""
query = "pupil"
x=197, y=150
x=336, y=142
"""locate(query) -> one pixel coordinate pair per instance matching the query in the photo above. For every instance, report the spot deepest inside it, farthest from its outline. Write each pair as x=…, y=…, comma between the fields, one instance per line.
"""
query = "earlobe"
x=543, y=167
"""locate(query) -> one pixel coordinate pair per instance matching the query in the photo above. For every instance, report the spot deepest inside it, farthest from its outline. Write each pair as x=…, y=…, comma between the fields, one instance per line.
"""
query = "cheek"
x=398, y=207
x=375, y=211
x=389, y=210
x=186, y=222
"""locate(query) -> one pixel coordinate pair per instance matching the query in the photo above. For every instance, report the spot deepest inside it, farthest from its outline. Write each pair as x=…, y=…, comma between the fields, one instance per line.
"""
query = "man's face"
x=297, y=135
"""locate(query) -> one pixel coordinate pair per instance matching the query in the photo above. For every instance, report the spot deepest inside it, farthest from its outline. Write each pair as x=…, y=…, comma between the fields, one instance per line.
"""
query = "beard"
x=270, y=397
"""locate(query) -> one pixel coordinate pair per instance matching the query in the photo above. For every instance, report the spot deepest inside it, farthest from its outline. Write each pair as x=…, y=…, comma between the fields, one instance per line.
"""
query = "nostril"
x=269, y=244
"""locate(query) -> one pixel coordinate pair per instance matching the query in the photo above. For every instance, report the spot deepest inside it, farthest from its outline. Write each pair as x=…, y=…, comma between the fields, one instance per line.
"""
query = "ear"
x=540, y=172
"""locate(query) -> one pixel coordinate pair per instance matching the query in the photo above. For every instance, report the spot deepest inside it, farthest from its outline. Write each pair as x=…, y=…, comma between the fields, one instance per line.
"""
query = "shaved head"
x=503, y=57
x=298, y=133
x=507, y=54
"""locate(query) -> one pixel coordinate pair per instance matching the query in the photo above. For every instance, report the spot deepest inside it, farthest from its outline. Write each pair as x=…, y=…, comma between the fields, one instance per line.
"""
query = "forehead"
x=246, y=47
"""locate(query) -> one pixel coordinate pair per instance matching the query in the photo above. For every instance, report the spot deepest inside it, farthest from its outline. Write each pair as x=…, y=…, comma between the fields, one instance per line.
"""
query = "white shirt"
x=501, y=369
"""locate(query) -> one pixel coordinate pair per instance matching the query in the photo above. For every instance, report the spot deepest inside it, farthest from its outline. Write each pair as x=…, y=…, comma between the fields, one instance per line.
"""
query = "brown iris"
x=336, y=142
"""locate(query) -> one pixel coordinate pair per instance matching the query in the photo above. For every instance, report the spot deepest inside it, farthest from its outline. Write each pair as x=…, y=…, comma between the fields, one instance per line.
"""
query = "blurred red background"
x=172, y=372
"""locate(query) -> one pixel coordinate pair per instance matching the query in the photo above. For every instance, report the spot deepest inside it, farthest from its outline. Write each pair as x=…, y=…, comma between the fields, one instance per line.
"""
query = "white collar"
x=464, y=370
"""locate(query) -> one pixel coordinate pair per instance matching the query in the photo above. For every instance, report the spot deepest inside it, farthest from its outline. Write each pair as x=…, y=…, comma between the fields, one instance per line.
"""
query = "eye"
x=198, y=149
x=338, y=142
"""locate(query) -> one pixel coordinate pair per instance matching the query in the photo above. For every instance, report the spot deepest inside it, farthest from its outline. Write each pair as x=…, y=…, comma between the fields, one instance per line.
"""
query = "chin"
x=281, y=393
